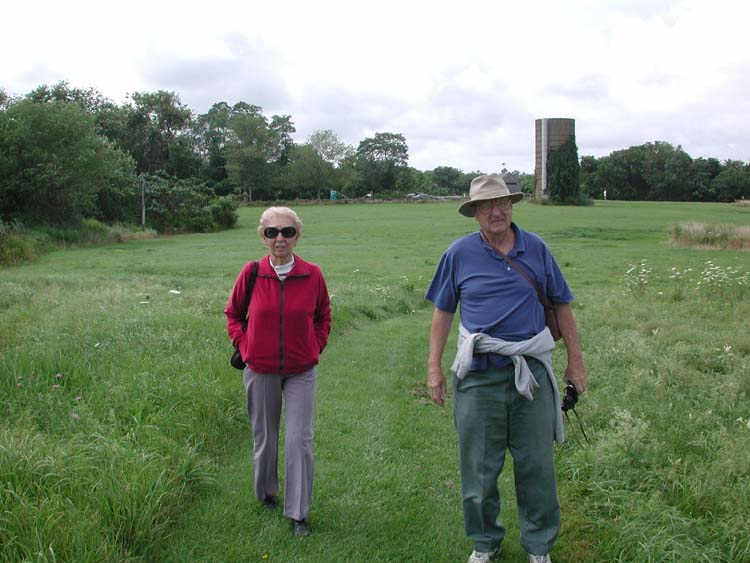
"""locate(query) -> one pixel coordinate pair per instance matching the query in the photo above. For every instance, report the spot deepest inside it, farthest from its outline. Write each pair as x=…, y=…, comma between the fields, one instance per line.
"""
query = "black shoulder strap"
x=251, y=281
x=542, y=298
x=249, y=288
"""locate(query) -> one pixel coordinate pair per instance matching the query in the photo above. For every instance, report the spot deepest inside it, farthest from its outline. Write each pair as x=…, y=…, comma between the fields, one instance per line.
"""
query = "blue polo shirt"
x=494, y=298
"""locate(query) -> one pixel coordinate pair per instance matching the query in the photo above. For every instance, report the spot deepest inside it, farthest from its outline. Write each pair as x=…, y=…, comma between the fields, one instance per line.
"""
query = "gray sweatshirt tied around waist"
x=539, y=347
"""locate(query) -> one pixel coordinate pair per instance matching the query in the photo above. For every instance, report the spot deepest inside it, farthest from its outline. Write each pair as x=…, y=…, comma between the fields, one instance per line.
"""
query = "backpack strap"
x=249, y=293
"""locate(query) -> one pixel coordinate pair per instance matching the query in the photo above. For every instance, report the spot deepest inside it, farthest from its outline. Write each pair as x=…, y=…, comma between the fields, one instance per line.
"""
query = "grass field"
x=123, y=435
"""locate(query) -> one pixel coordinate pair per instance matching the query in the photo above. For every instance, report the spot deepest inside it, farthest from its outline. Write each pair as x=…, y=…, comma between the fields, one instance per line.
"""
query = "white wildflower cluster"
x=714, y=275
x=381, y=291
x=680, y=275
x=636, y=278
x=407, y=283
x=711, y=276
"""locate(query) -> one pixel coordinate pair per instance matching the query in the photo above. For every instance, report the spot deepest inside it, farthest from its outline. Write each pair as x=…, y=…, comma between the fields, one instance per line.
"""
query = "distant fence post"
x=143, y=203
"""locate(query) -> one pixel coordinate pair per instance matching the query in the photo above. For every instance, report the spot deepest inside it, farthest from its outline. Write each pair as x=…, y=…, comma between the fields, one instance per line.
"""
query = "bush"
x=224, y=212
x=56, y=168
x=186, y=206
x=86, y=231
x=18, y=244
x=13, y=247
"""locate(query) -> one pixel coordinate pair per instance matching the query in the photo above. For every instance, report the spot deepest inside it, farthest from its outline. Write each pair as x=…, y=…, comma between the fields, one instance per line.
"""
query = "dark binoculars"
x=570, y=398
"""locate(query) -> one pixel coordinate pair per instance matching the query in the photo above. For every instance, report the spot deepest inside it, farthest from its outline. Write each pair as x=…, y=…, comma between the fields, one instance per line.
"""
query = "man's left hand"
x=577, y=375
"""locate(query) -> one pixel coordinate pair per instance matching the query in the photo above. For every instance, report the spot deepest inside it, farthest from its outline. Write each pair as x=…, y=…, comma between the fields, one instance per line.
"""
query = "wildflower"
x=19, y=384
x=58, y=376
x=74, y=416
x=55, y=386
x=79, y=398
x=727, y=348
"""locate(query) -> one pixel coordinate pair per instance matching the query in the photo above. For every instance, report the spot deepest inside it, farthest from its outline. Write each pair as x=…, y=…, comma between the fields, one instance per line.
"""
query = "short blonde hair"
x=268, y=213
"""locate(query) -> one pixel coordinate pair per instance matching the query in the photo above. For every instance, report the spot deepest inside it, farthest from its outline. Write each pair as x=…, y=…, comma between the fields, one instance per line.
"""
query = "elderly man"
x=505, y=394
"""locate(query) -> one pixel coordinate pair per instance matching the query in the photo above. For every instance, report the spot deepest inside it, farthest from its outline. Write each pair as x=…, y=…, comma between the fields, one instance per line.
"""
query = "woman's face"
x=280, y=247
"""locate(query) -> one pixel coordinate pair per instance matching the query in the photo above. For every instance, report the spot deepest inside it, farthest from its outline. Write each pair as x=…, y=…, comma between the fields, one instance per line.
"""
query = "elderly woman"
x=288, y=318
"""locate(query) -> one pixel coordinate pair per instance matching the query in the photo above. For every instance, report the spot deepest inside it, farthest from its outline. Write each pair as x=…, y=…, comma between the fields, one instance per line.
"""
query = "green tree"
x=411, y=180
x=702, y=173
x=282, y=128
x=379, y=158
x=348, y=176
x=666, y=171
x=563, y=173
x=448, y=180
x=158, y=134
x=110, y=119
x=527, y=182
x=5, y=99
x=330, y=148
x=308, y=175
x=621, y=174
x=733, y=182
x=589, y=186
x=250, y=153
x=90, y=100
x=212, y=131
x=56, y=169
x=385, y=147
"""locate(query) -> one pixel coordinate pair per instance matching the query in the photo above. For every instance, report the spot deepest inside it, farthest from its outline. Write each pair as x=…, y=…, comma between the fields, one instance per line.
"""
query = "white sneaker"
x=539, y=559
x=483, y=556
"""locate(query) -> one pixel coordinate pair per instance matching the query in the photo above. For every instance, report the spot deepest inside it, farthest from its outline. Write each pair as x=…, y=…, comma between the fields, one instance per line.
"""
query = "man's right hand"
x=436, y=384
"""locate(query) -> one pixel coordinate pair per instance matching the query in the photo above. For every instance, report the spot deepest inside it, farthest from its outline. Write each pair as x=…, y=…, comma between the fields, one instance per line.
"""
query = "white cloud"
x=462, y=81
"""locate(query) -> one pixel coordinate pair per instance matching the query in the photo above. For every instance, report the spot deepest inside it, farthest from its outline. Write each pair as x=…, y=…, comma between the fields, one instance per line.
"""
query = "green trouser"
x=490, y=416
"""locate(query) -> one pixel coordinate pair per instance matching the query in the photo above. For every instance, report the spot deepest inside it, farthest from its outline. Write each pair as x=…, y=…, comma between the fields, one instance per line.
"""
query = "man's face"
x=494, y=215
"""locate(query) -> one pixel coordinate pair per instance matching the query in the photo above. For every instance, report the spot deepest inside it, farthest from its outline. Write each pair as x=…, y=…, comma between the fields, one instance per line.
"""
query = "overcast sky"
x=463, y=80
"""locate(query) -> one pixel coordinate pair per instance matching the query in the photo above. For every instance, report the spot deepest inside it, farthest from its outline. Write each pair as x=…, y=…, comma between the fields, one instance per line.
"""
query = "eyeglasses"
x=503, y=203
x=273, y=232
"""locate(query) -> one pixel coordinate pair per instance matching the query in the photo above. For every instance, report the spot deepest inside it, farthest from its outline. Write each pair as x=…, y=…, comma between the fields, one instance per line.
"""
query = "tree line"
x=68, y=153
x=659, y=171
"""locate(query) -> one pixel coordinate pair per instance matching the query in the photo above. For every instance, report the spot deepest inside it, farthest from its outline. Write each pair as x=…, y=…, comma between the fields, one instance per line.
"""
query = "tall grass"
x=124, y=435
x=731, y=237
x=20, y=244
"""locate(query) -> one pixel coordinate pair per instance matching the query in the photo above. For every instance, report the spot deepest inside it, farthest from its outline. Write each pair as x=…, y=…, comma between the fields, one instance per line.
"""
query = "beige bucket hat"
x=488, y=186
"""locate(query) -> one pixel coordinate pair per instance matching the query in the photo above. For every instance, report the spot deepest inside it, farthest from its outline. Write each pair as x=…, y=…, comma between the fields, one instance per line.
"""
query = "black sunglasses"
x=273, y=232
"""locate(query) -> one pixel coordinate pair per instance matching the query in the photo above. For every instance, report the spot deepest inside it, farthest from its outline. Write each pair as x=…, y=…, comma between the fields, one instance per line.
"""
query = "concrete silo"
x=549, y=134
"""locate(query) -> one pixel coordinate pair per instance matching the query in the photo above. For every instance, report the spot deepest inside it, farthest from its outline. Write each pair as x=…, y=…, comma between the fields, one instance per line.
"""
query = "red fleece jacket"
x=288, y=321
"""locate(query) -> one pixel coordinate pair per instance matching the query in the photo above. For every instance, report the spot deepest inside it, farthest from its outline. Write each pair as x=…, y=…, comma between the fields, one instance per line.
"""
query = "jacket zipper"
x=281, y=330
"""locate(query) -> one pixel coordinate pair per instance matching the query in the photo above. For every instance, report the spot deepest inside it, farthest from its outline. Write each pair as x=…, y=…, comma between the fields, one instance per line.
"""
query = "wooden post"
x=143, y=203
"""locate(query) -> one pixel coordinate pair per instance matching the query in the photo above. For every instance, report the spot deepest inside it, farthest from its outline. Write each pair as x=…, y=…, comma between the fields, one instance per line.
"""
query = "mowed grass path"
x=158, y=455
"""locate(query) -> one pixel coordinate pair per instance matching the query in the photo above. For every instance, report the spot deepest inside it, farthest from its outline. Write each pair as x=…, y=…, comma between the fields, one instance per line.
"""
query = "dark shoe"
x=271, y=503
x=300, y=528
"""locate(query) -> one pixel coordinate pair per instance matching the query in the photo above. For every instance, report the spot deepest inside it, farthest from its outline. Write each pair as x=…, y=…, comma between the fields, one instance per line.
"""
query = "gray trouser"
x=492, y=417
x=264, y=395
